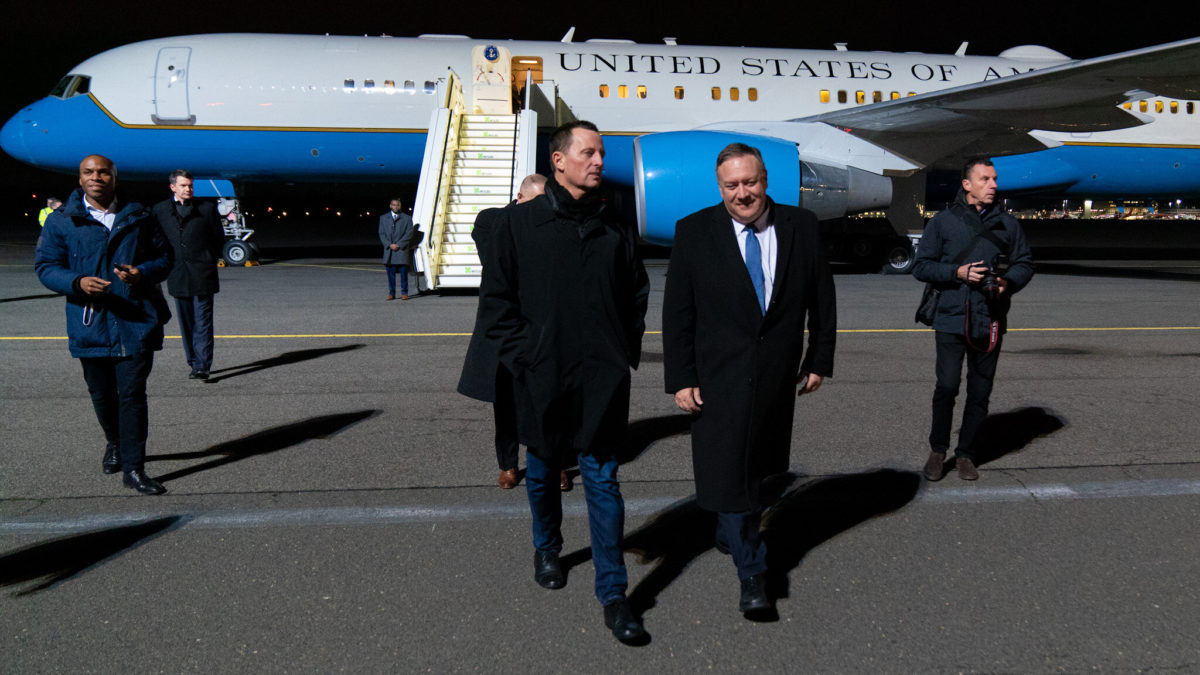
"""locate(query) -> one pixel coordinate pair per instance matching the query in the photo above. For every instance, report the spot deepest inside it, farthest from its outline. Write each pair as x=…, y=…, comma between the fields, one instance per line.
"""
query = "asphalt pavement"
x=332, y=502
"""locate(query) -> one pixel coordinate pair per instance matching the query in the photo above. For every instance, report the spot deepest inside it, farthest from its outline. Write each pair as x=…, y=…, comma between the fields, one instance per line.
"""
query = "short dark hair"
x=561, y=139
x=972, y=163
x=740, y=150
x=179, y=173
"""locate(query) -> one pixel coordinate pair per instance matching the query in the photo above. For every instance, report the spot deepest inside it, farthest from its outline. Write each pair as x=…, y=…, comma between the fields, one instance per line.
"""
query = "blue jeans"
x=606, y=515
x=392, y=271
x=118, y=389
x=196, y=325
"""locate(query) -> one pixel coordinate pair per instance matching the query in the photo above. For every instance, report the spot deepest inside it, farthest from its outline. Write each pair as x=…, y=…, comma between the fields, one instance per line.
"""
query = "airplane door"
x=491, y=82
x=170, y=86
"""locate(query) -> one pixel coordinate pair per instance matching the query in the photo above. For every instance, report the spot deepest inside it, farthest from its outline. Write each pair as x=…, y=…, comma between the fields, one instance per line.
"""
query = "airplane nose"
x=12, y=135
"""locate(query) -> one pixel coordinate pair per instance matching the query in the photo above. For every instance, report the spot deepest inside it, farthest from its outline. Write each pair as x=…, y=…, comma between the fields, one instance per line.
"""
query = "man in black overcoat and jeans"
x=193, y=228
x=972, y=311
x=564, y=298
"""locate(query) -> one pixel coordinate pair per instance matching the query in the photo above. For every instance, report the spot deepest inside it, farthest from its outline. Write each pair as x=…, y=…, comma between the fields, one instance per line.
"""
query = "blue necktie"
x=754, y=266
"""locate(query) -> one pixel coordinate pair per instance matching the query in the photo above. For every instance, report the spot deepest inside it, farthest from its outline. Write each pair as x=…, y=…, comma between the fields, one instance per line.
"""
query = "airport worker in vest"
x=396, y=233
x=483, y=376
x=744, y=276
x=193, y=228
x=51, y=204
x=977, y=258
x=108, y=258
x=564, y=298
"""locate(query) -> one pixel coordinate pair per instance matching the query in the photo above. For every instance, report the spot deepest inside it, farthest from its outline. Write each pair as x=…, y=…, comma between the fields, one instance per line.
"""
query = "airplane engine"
x=675, y=174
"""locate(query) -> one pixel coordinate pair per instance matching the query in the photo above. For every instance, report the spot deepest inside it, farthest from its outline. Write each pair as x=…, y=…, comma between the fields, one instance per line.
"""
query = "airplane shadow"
x=284, y=359
x=263, y=442
x=1005, y=433
x=803, y=518
x=53, y=562
x=42, y=296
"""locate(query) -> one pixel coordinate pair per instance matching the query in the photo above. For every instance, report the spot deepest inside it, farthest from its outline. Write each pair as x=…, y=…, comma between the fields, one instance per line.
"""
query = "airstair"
x=474, y=160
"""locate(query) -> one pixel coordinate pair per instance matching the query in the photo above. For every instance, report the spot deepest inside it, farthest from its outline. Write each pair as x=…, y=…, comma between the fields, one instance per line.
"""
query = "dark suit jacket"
x=197, y=243
x=715, y=337
x=478, y=379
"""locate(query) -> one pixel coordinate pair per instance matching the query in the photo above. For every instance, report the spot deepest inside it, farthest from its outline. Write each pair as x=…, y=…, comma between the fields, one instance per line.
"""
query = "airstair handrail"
x=449, y=143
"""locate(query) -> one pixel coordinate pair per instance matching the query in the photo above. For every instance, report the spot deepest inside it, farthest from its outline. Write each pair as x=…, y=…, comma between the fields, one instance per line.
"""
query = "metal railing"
x=445, y=150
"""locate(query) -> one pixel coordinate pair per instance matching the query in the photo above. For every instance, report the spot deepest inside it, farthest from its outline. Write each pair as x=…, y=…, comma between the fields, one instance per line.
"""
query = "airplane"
x=841, y=131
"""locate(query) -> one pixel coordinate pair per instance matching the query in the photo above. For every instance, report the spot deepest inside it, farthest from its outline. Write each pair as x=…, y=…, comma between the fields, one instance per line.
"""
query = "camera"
x=990, y=284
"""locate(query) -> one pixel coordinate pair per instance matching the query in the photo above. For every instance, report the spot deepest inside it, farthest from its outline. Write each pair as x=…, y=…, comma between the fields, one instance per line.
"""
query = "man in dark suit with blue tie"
x=744, y=276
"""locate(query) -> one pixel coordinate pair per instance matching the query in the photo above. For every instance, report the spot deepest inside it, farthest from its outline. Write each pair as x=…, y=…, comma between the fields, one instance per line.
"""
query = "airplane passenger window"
x=430, y=87
x=860, y=97
x=368, y=84
x=1191, y=107
x=895, y=95
x=60, y=89
x=348, y=85
x=1142, y=106
x=733, y=93
x=641, y=91
x=752, y=94
x=1158, y=106
x=716, y=93
x=389, y=84
x=841, y=95
x=1128, y=106
x=410, y=87
x=623, y=91
x=678, y=93
x=877, y=97
x=1174, y=107
x=912, y=93
x=824, y=96
x=604, y=91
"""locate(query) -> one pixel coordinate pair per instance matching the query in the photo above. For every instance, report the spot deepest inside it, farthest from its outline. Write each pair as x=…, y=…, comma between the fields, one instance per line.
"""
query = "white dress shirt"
x=105, y=218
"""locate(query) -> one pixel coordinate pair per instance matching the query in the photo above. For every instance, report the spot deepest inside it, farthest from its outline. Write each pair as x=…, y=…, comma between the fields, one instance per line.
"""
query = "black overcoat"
x=478, y=379
x=745, y=363
x=565, y=303
x=197, y=243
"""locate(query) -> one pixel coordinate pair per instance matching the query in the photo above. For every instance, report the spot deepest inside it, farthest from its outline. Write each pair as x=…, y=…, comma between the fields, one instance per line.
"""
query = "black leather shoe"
x=138, y=480
x=546, y=570
x=112, y=459
x=754, y=595
x=626, y=627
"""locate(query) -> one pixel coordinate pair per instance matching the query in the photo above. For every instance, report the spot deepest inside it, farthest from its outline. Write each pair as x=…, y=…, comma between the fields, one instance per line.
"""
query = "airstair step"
x=462, y=173
x=474, y=117
x=470, y=259
x=503, y=155
x=487, y=134
x=455, y=281
x=477, y=189
x=460, y=270
x=505, y=165
x=482, y=199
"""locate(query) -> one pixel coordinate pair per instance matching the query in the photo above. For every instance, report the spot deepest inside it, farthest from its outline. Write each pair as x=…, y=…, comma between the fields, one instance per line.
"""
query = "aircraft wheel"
x=898, y=258
x=236, y=252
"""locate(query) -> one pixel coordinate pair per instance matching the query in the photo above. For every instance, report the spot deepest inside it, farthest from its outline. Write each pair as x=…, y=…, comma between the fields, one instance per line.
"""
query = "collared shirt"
x=765, y=231
x=105, y=218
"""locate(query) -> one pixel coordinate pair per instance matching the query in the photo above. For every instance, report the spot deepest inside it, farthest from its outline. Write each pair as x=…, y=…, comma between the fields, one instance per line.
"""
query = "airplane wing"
x=994, y=117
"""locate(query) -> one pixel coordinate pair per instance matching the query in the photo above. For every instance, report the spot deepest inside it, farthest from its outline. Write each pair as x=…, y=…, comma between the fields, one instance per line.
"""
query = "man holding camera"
x=970, y=318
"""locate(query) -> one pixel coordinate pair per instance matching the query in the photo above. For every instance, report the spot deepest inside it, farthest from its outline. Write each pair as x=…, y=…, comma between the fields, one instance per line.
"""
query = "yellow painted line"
x=283, y=336
x=365, y=268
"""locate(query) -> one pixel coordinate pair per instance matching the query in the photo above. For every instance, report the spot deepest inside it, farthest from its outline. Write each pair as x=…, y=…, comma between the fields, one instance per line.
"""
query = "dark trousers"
x=606, y=515
x=392, y=271
x=981, y=370
x=118, y=390
x=739, y=533
x=504, y=411
x=196, y=324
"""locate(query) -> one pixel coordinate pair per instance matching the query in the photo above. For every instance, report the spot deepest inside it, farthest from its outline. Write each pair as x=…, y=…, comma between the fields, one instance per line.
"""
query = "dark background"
x=42, y=41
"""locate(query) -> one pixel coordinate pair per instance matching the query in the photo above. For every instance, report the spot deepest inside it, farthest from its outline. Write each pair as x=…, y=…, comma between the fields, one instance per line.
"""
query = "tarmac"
x=332, y=503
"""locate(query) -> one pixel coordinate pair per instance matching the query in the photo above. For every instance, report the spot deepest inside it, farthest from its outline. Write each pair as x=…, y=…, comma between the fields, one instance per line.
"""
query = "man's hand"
x=971, y=273
x=394, y=247
x=94, y=285
x=128, y=273
x=689, y=399
x=1003, y=285
x=809, y=382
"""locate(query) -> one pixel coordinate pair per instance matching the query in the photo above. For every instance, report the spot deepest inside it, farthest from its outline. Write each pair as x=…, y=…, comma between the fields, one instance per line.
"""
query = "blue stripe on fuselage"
x=1103, y=171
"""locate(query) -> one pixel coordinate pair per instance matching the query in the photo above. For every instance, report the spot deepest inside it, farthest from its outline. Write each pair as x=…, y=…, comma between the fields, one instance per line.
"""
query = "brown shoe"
x=507, y=479
x=935, y=466
x=391, y=297
x=404, y=297
x=564, y=483
x=966, y=468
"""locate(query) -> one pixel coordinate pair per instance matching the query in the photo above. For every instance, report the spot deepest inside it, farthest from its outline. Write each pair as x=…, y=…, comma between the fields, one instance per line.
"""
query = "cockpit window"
x=82, y=83
x=60, y=89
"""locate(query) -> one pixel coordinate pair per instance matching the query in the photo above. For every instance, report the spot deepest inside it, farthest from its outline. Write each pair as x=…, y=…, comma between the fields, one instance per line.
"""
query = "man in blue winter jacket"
x=108, y=258
x=977, y=256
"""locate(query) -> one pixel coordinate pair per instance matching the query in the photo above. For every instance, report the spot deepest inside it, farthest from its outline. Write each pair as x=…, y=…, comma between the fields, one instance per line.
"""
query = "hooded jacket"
x=945, y=236
x=126, y=320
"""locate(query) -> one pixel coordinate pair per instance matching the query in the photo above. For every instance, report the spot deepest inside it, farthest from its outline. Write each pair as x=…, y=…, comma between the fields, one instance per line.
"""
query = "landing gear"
x=236, y=252
x=239, y=250
x=898, y=257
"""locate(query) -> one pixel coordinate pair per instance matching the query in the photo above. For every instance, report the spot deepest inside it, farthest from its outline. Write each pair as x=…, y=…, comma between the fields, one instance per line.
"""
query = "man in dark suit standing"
x=193, y=228
x=396, y=233
x=743, y=276
x=564, y=299
x=483, y=376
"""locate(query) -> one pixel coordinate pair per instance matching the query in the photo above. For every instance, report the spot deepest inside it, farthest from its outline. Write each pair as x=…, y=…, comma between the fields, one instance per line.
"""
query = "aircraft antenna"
x=670, y=41
x=840, y=46
x=570, y=36
x=962, y=50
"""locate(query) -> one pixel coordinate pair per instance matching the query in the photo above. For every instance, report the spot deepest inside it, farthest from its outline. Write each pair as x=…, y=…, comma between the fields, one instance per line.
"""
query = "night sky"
x=41, y=41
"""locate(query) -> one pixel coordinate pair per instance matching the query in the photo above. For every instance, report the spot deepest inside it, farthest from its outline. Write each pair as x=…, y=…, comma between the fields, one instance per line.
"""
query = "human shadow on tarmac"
x=1005, y=433
x=803, y=517
x=643, y=434
x=42, y=296
x=284, y=359
x=52, y=562
x=263, y=442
